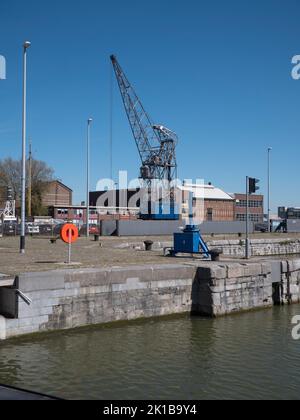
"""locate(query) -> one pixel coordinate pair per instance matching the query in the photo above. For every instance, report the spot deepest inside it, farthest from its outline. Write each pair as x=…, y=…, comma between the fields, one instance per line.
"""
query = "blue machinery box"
x=186, y=242
x=190, y=241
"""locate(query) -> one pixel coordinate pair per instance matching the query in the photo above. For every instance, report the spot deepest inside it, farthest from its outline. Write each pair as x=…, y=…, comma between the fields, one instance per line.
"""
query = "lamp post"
x=88, y=180
x=23, y=178
x=269, y=189
x=247, y=242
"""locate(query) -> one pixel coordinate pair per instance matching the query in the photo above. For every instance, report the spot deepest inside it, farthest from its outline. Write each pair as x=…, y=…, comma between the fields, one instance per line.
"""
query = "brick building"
x=256, y=207
x=57, y=194
x=211, y=204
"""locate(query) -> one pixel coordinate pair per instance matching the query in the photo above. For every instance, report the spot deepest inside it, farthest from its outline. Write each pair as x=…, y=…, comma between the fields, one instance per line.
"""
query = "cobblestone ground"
x=41, y=255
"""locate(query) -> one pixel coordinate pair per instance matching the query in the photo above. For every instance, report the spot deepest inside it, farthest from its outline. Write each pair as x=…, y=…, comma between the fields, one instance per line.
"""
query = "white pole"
x=88, y=180
x=23, y=178
x=269, y=190
x=70, y=246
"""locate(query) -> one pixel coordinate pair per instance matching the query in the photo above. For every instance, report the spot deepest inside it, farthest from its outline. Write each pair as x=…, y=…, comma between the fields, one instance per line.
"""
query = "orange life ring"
x=65, y=233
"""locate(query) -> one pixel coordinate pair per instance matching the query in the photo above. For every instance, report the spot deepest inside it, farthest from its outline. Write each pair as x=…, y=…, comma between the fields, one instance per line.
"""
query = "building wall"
x=57, y=195
x=256, y=207
x=207, y=210
x=211, y=210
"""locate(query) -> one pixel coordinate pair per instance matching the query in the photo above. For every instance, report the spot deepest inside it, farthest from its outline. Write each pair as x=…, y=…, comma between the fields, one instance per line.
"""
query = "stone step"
x=6, y=281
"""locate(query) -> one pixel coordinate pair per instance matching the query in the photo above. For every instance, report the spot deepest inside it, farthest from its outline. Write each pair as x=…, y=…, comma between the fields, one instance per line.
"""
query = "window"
x=252, y=217
x=252, y=203
x=62, y=212
x=209, y=215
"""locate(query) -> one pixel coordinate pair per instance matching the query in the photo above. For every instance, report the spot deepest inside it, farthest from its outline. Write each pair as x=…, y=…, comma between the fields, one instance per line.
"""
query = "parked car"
x=261, y=227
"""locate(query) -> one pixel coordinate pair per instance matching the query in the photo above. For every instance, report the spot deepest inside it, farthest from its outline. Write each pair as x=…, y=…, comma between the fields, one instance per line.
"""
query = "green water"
x=249, y=355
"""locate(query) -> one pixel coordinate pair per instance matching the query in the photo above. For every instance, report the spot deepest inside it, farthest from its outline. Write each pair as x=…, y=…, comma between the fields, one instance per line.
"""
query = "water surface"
x=250, y=355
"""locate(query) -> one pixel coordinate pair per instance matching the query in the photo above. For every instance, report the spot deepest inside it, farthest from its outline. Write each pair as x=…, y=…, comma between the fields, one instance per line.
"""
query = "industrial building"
x=289, y=213
x=210, y=203
x=256, y=208
x=57, y=194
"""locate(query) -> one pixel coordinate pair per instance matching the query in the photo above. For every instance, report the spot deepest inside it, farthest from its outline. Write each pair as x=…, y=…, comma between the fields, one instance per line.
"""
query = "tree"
x=41, y=175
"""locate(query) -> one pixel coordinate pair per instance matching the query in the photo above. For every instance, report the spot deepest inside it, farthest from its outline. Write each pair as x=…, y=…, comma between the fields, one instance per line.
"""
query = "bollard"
x=148, y=245
x=215, y=254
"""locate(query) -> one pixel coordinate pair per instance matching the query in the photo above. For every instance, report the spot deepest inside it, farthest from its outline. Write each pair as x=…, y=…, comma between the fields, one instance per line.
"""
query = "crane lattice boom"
x=156, y=144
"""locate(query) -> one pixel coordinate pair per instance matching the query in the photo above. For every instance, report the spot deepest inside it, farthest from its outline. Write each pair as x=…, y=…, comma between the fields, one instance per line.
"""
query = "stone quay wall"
x=226, y=289
x=68, y=299
x=259, y=247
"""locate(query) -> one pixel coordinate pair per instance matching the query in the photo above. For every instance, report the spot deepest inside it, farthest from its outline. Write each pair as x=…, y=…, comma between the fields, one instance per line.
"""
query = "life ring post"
x=69, y=234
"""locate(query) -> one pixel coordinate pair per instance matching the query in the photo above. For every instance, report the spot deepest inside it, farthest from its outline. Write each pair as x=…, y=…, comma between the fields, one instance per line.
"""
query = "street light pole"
x=88, y=180
x=269, y=190
x=247, y=242
x=23, y=178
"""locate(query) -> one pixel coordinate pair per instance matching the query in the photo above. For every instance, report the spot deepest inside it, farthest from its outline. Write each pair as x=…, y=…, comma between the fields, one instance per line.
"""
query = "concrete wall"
x=73, y=298
x=69, y=299
x=223, y=228
x=152, y=228
x=108, y=227
x=293, y=226
x=148, y=228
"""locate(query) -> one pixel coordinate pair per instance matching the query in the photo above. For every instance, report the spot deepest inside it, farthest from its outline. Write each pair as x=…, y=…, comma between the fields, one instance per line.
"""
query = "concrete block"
x=51, y=280
x=120, y=275
x=211, y=273
x=294, y=289
x=233, y=287
x=2, y=328
x=29, y=311
x=294, y=265
x=171, y=272
x=252, y=269
x=216, y=298
x=131, y=284
x=89, y=277
x=266, y=268
x=218, y=289
x=235, y=270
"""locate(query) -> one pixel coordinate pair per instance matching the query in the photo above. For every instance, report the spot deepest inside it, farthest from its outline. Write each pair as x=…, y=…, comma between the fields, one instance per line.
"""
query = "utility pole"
x=23, y=179
x=30, y=180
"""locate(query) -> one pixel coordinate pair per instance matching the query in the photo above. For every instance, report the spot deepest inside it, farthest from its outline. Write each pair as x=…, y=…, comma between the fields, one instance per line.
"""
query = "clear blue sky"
x=216, y=72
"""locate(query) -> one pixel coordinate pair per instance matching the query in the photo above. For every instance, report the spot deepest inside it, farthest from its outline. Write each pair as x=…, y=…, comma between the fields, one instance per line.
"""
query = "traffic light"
x=253, y=185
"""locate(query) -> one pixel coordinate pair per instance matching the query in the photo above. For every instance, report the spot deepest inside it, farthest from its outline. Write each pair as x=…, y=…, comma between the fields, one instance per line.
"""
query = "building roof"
x=56, y=181
x=206, y=192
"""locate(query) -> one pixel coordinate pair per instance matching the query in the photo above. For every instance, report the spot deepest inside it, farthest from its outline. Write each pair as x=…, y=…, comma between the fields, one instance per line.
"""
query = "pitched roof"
x=207, y=192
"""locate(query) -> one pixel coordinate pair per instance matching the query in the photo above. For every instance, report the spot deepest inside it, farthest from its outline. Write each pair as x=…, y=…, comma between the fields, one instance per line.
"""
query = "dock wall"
x=74, y=298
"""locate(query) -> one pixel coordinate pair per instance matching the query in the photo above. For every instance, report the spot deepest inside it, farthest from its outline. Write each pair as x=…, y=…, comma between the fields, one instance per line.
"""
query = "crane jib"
x=151, y=140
